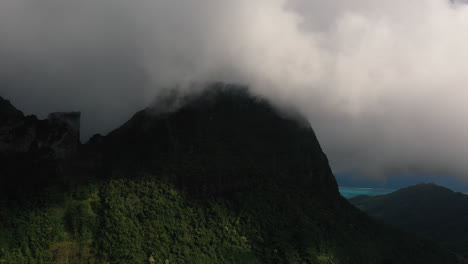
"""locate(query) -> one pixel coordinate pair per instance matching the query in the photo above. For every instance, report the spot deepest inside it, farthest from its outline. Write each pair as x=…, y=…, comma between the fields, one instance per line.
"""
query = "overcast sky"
x=383, y=83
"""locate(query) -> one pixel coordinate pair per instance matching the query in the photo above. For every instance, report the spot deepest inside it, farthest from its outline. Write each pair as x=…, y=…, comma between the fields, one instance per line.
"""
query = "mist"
x=382, y=83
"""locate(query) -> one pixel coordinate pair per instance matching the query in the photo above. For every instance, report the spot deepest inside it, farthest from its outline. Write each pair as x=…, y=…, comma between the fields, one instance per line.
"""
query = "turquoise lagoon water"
x=350, y=192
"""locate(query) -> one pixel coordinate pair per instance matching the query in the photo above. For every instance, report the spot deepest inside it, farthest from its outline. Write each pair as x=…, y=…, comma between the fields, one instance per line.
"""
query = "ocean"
x=350, y=192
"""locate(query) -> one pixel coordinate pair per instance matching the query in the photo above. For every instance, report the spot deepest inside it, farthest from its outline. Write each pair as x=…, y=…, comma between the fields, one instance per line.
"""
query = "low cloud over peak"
x=383, y=83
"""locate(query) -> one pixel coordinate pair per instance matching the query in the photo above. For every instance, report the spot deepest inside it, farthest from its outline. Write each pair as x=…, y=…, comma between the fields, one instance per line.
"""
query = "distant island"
x=350, y=192
x=429, y=210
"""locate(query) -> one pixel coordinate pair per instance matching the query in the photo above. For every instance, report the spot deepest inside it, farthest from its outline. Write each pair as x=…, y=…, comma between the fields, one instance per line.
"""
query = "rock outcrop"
x=54, y=138
x=33, y=151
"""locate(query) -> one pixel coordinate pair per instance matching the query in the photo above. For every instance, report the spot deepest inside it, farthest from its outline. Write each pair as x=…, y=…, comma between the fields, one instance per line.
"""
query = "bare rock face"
x=15, y=134
x=54, y=138
x=34, y=152
x=64, y=138
x=8, y=111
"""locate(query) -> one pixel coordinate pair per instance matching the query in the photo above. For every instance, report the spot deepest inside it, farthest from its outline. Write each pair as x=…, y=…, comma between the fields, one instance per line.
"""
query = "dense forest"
x=145, y=220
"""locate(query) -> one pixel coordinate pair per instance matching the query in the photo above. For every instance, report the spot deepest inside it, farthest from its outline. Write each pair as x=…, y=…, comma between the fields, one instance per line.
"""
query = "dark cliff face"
x=32, y=149
x=220, y=140
x=54, y=138
x=8, y=112
x=217, y=141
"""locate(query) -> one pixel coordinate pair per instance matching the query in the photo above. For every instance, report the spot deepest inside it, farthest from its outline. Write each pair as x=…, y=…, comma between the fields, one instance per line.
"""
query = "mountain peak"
x=8, y=111
x=29, y=146
x=428, y=188
x=226, y=138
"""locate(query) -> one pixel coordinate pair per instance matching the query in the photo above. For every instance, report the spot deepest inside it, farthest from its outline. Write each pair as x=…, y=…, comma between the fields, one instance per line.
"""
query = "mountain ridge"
x=427, y=209
x=223, y=179
x=223, y=124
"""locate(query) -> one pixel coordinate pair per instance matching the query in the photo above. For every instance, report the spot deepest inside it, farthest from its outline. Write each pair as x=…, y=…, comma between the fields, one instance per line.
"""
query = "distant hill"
x=428, y=210
x=217, y=177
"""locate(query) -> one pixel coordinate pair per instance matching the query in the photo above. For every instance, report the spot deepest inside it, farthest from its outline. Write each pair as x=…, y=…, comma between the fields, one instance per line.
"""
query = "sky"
x=383, y=83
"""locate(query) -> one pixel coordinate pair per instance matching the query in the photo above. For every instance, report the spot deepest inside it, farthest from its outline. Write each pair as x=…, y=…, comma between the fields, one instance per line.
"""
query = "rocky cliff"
x=57, y=137
x=219, y=141
x=29, y=146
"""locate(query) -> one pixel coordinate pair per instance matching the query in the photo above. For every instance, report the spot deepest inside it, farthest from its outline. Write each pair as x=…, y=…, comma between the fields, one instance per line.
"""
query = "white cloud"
x=382, y=82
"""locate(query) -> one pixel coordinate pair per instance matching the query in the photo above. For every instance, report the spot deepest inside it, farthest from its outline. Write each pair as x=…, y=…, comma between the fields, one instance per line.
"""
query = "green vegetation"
x=428, y=210
x=146, y=221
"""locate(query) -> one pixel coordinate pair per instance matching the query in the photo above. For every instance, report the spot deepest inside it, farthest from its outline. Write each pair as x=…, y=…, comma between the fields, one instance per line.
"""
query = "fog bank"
x=383, y=83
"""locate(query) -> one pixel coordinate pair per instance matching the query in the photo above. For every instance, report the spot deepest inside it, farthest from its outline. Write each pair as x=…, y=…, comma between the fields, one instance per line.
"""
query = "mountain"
x=428, y=210
x=220, y=139
x=217, y=177
x=29, y=146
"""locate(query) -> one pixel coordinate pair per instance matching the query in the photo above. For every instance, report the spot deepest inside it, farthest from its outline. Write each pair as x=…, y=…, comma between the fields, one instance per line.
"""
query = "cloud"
x=382, y=82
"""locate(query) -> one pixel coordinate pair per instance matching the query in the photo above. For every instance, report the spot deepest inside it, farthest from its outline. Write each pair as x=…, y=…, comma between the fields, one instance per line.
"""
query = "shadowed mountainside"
x=429, y=210
x=221, y=178
x=34, y=151
x=218, y=140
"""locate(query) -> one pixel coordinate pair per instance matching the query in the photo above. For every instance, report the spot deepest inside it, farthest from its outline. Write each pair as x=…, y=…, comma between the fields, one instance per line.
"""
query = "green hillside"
x=147, y=221
x=429, y=210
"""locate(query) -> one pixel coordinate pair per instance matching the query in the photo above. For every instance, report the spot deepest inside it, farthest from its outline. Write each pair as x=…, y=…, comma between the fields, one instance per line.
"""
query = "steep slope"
x=221, y=178
x=29, y=146
x=218, y=140
x=429, y=210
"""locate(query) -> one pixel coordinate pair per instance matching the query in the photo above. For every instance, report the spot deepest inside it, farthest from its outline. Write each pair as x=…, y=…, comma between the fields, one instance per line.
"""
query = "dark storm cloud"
x=382, y=82
x=71, y=55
